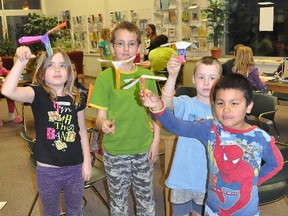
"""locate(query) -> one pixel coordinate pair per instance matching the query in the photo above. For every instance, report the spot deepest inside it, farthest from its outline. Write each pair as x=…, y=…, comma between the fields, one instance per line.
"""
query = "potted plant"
x=6, y=47
x=216, y=14
x=66, y=43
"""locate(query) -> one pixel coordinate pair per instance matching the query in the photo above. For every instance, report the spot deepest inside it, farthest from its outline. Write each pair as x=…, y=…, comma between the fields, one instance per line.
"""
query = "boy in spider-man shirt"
x=235, y=148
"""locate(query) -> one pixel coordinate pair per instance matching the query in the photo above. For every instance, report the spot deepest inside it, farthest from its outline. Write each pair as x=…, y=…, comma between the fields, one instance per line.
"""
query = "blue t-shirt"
x=189, y=166
x=106, y=48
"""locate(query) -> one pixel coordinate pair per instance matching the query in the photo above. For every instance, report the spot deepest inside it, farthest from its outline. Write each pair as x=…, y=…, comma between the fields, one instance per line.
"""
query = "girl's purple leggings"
x=51, y=181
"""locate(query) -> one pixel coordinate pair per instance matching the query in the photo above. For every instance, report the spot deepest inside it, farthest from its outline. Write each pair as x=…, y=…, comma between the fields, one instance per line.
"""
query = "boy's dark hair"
x=159, y=40
x=125, y=25
x=237, y=82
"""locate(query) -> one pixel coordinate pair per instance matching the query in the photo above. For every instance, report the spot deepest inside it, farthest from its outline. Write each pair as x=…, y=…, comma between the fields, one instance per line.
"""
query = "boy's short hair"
x=237, y=82
x=208, y=60
x=125, y=25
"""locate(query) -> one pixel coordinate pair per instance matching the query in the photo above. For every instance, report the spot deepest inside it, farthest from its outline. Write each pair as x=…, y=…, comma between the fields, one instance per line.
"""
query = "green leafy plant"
x=216, y=14
x=6, y=47
x=65, y=42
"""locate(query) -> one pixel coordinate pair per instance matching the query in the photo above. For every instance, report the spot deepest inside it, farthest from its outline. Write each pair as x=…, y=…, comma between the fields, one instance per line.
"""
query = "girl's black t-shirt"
x=58, y=140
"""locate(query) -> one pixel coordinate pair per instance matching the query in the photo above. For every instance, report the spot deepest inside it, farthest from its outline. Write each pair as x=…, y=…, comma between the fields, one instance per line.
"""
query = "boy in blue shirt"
x=188, y=173
x=235, y=148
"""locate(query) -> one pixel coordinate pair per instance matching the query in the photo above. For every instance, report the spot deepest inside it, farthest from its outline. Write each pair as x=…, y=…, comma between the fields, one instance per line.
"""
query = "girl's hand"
x=24, y=53
x=173, y=65
x=153, y=154
x=86, y=170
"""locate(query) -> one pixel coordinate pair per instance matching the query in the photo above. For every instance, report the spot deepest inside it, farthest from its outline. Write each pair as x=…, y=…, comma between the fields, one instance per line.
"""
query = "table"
x=24, y=78
x=277, y=85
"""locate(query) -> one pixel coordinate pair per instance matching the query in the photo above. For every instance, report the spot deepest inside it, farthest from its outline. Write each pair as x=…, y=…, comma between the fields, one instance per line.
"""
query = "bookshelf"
x=86, y=32
x=194, y=17
x=165, y=18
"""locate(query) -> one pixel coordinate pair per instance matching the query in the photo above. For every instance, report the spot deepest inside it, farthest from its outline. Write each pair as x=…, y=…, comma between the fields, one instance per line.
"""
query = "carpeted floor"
x=17, y=181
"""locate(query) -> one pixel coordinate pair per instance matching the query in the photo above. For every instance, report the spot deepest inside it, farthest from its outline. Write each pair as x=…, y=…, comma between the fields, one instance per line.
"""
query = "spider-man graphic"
x=233, y=169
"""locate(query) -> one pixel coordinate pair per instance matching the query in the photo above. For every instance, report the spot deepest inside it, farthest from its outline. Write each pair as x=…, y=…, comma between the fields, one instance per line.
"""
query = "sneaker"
x=1, y=123
x=18, y=119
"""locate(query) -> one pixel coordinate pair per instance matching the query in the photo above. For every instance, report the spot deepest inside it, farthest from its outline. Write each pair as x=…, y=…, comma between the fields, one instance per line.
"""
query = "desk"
x=24, y=78
x=278, y=86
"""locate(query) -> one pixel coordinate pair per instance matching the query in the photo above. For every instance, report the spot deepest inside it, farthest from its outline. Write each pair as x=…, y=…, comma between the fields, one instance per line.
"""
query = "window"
x=16, y=28
x=13, y=18
x=243, y=28
x=16, y=5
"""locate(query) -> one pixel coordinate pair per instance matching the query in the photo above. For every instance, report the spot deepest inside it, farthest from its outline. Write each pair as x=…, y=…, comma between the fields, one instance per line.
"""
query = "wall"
x=86, y=7
x=77, y=8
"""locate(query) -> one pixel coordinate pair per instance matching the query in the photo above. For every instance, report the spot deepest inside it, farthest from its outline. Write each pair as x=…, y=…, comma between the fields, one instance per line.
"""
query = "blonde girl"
x=62, y=147
x=244, y=64
x=104, y=47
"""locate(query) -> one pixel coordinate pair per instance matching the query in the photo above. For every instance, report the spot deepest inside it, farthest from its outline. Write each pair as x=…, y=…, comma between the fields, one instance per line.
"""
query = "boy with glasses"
x=130, y=143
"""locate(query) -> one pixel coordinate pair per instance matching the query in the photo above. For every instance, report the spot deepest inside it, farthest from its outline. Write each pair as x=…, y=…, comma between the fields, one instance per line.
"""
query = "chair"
x=30, y=147
x=280, y=96
x=275, y=188
x=8, y=62
x=23, y=109
x=95, y=139
x=263, y=113
x=186, y=90
x=77, y=57
x=98, y=174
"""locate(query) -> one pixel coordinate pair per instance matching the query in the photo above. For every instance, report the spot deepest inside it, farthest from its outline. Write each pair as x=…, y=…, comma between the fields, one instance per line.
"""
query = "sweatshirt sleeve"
x=198, y=130
x=254, y=75
x=273, y=162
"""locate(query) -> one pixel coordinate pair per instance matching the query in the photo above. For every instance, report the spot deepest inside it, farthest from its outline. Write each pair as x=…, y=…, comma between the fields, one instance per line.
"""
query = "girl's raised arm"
x=10, y=86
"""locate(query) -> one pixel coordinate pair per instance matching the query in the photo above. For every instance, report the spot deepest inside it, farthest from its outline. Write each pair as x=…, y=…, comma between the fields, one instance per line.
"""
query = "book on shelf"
x=172, y=16
x=185, y=16
x=164, y=4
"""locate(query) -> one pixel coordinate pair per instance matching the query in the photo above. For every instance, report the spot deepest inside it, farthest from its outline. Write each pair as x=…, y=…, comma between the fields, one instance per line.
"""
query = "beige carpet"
x=17, y=181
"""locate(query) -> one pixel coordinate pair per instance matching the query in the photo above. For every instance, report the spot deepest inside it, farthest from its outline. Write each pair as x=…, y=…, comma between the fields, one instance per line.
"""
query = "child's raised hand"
x=173, y=65
x=149, y=99
x=24, y=53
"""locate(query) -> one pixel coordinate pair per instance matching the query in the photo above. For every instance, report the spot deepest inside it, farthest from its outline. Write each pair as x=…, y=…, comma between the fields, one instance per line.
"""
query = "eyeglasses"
x=131, y=45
